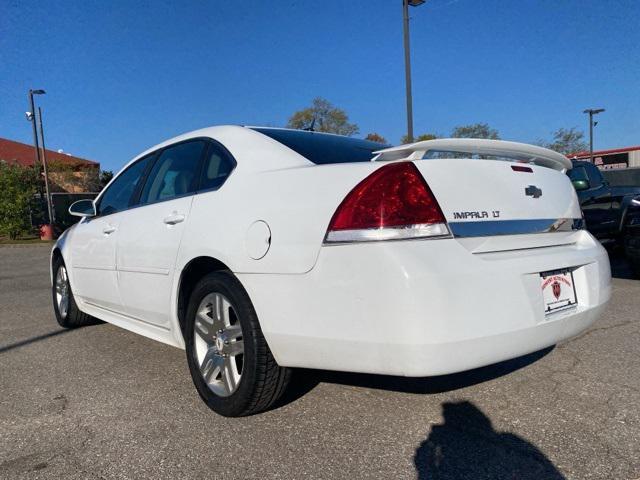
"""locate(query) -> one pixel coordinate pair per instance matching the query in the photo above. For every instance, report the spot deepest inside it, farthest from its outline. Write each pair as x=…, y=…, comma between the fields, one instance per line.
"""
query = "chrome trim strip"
x=407, y=232
x=514, y=227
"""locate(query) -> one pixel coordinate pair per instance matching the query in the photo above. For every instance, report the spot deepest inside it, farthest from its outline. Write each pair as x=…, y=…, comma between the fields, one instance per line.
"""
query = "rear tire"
x=634, y=263
x=67, y=312
x=229, y=359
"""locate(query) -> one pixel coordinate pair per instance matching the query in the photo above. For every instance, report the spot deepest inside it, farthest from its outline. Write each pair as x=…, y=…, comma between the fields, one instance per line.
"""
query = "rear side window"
x=217, y=167
x=174, y=174
x=578, y=173
x=119, y=194
x=322, y=148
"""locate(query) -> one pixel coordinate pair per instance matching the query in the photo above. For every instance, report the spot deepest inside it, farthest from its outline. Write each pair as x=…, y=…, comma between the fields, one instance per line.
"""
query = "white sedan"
x=262, y=249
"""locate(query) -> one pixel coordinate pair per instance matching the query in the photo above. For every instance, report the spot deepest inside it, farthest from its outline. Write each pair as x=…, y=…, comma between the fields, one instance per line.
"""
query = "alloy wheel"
x=62, y=291
x=219, y=346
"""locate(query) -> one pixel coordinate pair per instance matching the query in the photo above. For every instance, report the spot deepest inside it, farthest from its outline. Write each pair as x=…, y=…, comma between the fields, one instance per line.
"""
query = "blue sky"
x=124, y=75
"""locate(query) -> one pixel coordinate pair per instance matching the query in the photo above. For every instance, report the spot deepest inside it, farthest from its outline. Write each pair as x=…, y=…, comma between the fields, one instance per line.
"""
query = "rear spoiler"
x=520, y=152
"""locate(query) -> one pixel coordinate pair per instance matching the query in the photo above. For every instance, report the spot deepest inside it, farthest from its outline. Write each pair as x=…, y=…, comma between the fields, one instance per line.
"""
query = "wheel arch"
x=190, y=275
x=625, y=204
x=56, y=253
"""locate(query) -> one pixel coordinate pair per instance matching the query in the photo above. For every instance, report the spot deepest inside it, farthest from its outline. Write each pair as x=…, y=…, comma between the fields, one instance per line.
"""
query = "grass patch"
x=23, y=241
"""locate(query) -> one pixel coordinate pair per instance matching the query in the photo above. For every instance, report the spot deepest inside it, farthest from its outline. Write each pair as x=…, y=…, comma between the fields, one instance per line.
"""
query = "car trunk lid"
x=509, y=190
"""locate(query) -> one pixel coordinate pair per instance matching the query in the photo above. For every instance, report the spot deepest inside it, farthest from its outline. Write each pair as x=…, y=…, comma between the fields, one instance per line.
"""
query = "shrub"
x=18, y=186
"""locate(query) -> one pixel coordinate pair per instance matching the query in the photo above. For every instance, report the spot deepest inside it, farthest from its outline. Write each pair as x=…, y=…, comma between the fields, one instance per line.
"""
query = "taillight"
x=392, y=203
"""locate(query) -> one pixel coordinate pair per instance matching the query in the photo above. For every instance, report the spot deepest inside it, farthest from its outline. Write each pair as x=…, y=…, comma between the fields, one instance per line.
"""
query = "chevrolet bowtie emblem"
x=533, y=191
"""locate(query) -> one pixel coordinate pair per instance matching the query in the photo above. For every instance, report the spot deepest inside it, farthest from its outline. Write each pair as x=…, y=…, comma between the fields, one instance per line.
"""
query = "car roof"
x=257, y=151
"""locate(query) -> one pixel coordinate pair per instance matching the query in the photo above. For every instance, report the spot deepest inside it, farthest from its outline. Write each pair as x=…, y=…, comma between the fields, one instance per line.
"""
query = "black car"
x=612, y=213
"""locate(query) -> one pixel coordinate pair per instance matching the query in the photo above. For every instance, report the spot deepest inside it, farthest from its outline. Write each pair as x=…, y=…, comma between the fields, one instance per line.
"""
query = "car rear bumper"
x=424, y=307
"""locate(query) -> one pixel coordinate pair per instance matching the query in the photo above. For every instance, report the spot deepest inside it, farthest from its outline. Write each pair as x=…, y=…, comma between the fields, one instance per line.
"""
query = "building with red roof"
x=67, y=173
x=615, y=158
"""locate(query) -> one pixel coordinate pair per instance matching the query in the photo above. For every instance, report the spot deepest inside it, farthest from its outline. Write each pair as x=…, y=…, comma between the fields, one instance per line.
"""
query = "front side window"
x=595, y=177
x=174, y=174
x=216, y=168
x=119, y=194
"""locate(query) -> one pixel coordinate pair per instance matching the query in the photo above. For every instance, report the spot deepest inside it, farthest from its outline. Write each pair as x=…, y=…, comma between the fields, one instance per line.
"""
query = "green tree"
x=475, y=130
x=566, y=141
x=105, y=177
x=419, y=138
x=17, y=188
x=374, y=137
x=322, y=116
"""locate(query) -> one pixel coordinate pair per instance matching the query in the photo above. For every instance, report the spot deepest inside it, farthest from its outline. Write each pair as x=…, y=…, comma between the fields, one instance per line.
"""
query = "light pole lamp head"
x=416, y=3
x=37, y=92
x=594, y=111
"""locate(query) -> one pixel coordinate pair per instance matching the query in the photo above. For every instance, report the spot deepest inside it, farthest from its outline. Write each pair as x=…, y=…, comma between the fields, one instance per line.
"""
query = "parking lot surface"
x=100, y=402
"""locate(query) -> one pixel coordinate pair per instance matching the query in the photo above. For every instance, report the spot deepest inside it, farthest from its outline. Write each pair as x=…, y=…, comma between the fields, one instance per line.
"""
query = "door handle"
x=174, y=218
x=109, y=229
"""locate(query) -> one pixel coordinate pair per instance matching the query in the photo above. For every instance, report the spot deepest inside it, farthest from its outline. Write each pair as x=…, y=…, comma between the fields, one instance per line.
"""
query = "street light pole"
x=44, y=165
x=407, y=63
x=592, y=112
x=407, y=70
x=32, y=116
x=33, y=122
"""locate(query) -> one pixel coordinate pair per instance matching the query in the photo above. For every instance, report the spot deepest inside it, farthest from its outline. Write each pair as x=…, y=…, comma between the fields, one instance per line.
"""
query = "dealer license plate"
x=558, y=291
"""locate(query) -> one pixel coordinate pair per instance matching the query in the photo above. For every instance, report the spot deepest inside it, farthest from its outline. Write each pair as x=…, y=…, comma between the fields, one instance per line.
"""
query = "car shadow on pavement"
x=466, y=446
x=303, y=380
x=38, y=338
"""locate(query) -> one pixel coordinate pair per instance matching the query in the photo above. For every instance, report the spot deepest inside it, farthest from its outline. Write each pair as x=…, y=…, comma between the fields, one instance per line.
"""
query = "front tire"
x=67, y=312
x=632, y=253
x=229, y=359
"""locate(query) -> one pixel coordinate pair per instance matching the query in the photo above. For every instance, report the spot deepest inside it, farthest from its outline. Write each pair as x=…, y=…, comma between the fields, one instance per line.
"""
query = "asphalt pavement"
x=100, y=402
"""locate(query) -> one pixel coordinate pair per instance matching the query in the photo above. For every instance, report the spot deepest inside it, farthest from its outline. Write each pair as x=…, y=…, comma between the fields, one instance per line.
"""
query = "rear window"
x=323, y=148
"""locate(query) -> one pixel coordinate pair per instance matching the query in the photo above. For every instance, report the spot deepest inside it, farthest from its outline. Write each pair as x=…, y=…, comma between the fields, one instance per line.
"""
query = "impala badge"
x=533, y=191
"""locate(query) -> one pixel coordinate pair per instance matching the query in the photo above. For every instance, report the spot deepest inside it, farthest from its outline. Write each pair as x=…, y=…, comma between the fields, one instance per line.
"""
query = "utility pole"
x=592, y=112
x=407, y=63
x=44, y=165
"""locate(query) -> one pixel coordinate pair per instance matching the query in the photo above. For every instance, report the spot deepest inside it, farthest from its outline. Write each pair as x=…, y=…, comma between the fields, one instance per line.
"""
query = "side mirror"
x=83, y=208
x=580, y=184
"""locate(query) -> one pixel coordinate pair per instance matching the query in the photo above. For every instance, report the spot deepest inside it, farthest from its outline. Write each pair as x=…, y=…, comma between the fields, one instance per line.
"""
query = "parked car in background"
x=605, y=207
x=261, y=249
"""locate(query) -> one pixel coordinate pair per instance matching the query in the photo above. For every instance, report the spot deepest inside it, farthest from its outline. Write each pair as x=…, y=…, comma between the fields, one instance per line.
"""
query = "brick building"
x=67, y=173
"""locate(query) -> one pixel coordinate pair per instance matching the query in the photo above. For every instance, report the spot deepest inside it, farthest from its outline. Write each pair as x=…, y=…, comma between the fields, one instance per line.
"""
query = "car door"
x=93, y=241
x=152, y=232
x=596, y=203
